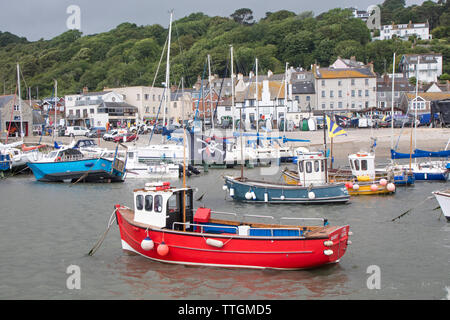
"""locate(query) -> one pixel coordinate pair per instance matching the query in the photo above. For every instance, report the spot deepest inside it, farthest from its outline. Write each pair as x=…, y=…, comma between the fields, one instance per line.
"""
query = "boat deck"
x=308, y=232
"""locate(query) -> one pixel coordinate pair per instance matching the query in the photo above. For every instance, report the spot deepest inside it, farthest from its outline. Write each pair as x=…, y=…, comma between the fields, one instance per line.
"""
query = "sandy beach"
x=357, y=139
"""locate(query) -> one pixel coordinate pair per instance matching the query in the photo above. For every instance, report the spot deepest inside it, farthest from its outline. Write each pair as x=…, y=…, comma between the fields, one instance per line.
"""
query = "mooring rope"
x=112, y=218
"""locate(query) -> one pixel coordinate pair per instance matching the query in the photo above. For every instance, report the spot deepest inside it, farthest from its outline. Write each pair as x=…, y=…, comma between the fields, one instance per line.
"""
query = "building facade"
x=15, y=117
x=404, y=31
x=346, y=89
x=426, y=67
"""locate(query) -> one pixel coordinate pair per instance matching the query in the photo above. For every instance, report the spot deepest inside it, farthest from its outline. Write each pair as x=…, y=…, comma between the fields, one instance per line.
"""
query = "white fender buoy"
x=231, y=192
x=214, y=243
x=383, y=182
x=374, y=187
x=266, y=197
x=253, y=195
x=248, y=195
x=356, y=186
x=147, y=244
x=391, y=187
x=311, y=195
x=224, y=187
x=282, y=197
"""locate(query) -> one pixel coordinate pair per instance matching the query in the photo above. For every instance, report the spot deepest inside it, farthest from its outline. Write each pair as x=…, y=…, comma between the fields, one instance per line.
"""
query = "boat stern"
x=336, y=245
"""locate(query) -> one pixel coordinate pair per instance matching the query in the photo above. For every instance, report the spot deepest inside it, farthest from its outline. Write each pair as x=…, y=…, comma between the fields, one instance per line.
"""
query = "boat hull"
x=443, y=197
x=90, y=170
x=279, y=193
x=260, y=252
x=365, y=188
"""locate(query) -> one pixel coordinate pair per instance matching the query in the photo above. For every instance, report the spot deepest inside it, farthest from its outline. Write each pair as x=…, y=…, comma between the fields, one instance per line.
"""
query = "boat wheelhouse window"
x=308, y=167
x=172, y=203
x=364, y=165
x=356, y=164
x=300, y=166
x=148, y=203
x=351, y=164
x=139, y=202
x=158, y=203
x=316, y=165
x=322, y=165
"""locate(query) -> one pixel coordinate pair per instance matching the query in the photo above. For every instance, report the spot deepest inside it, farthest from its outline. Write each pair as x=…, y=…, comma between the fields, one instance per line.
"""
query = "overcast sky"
x=35, y=19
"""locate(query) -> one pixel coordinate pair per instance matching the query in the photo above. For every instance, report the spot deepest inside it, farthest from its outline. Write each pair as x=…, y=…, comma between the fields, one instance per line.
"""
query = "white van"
x=76, y=131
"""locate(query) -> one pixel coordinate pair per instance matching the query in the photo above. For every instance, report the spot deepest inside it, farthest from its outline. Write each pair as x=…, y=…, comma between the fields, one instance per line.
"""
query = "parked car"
x=96, y=132
x=128, y=137
x=110, y=135
x=73, y=131
x=158, y=128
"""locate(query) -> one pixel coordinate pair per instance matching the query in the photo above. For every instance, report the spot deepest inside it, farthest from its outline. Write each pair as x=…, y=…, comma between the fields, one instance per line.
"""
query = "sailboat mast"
x=20, y=101
x=56, y=105
x=415, y=108
x=392, y=104
x=167, y=70
x=285, y=97
x=210, y=92
x=233, y=107
x=257, y=104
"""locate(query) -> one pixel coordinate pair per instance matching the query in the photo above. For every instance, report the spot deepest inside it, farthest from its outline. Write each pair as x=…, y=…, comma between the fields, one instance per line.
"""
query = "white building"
x=345, y=88
x=404, y=31
x=147, y=99
x=426, y=67
x=95, y=109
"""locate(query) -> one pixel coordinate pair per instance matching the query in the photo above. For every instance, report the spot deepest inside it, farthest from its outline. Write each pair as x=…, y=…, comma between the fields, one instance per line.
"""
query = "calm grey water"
x=45, y=228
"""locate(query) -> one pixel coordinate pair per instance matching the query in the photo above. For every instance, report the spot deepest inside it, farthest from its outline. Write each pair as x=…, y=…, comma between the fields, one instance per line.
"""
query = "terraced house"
x=346, y=86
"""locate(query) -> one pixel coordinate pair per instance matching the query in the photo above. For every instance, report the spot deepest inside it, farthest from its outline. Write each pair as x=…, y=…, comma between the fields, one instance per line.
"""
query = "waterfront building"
x=427, y=67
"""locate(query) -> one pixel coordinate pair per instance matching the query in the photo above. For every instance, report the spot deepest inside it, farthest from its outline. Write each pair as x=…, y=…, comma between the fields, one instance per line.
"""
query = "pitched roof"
x=429, y=96
x=330, y=73
x=303, y=87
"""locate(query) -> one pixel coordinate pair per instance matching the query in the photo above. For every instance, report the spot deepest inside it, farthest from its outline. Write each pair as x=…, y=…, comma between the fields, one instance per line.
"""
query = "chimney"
x=85, y=90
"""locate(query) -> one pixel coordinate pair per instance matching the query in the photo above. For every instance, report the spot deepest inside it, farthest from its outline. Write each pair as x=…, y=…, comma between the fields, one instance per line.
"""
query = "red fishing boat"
x=163, y=227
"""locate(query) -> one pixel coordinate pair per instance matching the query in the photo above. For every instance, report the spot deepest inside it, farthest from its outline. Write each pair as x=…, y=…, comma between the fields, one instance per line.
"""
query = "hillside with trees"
x=129, y=55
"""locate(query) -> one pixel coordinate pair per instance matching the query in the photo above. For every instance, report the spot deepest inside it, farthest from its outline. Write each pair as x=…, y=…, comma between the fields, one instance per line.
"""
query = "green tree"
x=243, y=16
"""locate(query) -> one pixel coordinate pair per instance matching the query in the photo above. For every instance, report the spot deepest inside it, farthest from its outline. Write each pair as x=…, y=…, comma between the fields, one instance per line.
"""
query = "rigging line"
x=181, y=48
x=200, y=93
x=157, y=115
x=220, y=91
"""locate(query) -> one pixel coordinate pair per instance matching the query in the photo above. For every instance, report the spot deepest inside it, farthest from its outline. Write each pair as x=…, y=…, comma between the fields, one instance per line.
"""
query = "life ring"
x=58, y=159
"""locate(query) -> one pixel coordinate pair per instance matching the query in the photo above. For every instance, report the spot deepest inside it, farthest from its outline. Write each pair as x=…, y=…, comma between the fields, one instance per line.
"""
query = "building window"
x=146, y=96
x=339, y=83
x=340, y=104
x=367, y=93
x=331, y=105
x=340, y=93
x=353, y=93
x=359, y=93
x=331, y=94
x=174, y=104
x=353, y=105
x=297, y=98
x=323, y=82
x=323, y=105
x=138, y=97
x=91, y=111
x=353, y=82
x=308, y=98
x=366, y=81
x=154, y=97
x=323, y=93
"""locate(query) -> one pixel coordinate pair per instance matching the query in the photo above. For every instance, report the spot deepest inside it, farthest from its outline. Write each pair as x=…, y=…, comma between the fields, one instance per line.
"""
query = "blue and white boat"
x=312, y=186
x=428, y=170
x=68, y=164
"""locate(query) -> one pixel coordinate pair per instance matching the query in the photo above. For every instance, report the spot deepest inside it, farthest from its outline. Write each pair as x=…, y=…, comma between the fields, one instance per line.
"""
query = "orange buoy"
x=163, y=249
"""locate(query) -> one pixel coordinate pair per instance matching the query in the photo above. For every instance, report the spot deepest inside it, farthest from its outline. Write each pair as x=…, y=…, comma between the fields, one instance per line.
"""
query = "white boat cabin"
x=363, y=165
x=160, y=205
x=311, y=168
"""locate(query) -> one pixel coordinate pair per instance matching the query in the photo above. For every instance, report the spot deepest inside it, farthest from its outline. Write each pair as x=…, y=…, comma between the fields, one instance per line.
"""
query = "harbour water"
x=46, y=228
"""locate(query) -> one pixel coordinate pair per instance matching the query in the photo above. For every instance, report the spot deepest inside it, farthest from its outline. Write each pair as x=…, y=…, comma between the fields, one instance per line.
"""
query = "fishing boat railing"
x=267, y=232
x=324, y=221
x=202, y=226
